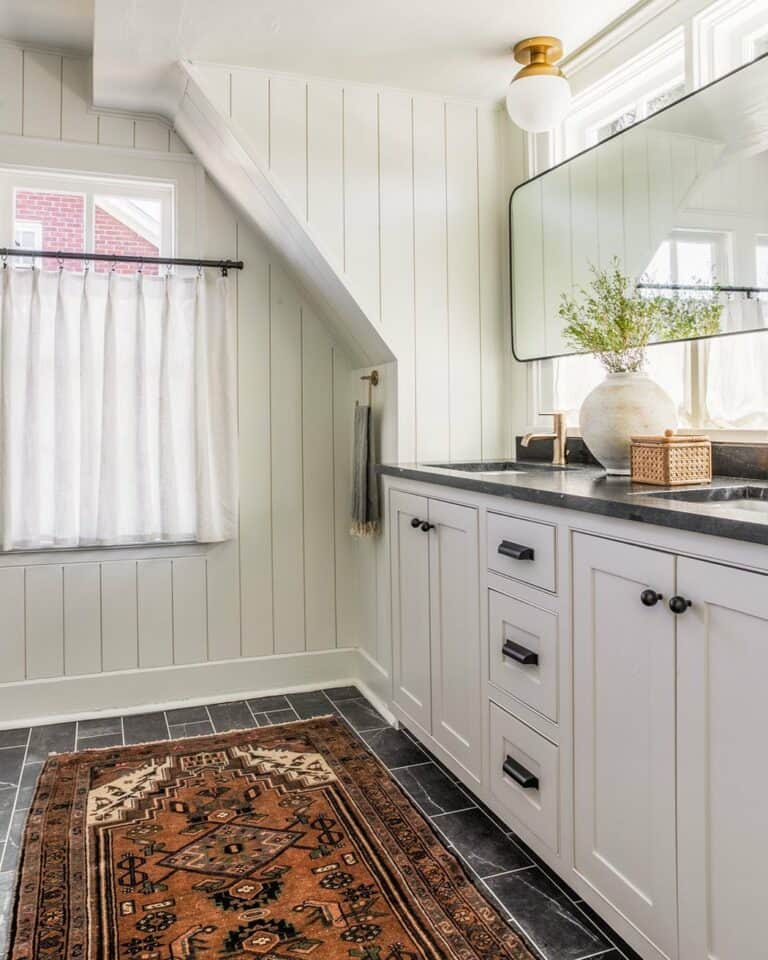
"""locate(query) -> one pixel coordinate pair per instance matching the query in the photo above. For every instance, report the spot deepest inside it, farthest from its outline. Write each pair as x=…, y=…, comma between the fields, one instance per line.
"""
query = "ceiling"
x=62, y=24
x=449, y=47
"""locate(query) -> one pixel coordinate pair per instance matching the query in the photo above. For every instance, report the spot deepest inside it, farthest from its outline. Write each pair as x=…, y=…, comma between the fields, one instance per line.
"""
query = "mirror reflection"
x=678, y=204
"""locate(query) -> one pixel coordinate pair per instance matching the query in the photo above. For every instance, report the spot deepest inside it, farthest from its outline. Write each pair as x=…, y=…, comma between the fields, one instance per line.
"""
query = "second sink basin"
x=495, y=466
x=747, y=497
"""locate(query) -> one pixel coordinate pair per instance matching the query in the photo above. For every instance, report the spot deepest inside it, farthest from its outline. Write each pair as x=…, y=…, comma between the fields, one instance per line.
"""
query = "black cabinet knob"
x=426, y=527
x=650, y=598
x=415, y=522
x=679, y=604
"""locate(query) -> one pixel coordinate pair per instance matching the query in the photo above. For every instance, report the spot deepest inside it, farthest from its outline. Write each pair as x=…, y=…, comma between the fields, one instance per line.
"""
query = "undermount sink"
x=495, y=466
x=750, y=498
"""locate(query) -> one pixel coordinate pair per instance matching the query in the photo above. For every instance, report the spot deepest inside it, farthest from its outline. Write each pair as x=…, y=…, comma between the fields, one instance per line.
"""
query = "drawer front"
x=522, y=549
x=525, y=774
x=523, y=653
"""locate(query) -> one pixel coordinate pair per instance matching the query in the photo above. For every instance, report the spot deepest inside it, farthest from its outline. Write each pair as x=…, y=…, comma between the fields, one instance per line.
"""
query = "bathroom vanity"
x=590, y=658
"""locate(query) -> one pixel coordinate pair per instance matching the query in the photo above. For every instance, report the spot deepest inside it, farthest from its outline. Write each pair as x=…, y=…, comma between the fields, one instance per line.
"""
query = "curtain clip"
x=224, y=270
x=60, y=261
x=199, y=270
x=140, y=268
x=5, y=261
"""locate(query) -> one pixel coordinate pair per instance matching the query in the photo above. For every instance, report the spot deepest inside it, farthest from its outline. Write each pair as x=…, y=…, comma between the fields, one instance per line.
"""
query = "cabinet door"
x=722, y=762
x=410, y=606
x=624, y=732
x=455, y=622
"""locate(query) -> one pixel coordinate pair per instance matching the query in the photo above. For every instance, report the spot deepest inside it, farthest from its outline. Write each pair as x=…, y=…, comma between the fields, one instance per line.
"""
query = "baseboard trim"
x=166, y=688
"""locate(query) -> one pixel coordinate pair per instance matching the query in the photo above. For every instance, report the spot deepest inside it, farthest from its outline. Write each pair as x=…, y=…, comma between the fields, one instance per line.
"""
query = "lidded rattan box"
x=671, y=460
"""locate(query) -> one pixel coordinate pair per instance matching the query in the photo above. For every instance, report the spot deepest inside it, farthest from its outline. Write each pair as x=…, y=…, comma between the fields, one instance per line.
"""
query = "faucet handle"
x=559, y=415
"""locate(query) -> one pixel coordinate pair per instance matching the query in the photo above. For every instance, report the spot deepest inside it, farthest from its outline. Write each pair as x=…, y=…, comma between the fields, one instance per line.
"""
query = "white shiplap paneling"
x=154, y=600
x=82, y=618
x=44, y=604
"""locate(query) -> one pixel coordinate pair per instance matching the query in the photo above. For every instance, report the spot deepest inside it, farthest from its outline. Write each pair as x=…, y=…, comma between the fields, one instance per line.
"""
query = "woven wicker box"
x=671, y=460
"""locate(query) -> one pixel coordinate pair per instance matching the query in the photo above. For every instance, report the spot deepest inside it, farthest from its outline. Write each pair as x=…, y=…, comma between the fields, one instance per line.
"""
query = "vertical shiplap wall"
x=288, y=583
x=404, y=194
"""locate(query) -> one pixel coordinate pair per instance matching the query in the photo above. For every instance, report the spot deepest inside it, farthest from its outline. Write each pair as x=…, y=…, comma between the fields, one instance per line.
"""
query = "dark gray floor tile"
x=7, y=801
x=52, y=738
x=360, y=715
x=547, y=916
x=187, y=715
x=99, y=727
x=262, y=719
x=13, y=843
x=14, y=738
x=343, y=693
x=393, y=748
x=307, y=705
x=480, y=842
x=264, y=704
x=180, y=731
x=27, y=785
x=231, y=716
x=96, y=743
x=145, y=727
x=11, y=762
x=623, y=948
x=278, y=716
x=430, y=756
x=429, y=787
x=6, y=901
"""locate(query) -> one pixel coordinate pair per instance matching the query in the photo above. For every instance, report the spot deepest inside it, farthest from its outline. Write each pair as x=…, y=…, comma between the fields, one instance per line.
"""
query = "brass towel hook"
x=373, y=381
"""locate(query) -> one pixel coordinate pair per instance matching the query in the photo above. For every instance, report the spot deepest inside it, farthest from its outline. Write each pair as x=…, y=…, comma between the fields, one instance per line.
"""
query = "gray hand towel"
x=365, y=487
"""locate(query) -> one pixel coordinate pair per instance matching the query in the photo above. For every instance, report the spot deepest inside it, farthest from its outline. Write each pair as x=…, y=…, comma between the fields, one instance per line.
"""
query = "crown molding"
x=624, y=26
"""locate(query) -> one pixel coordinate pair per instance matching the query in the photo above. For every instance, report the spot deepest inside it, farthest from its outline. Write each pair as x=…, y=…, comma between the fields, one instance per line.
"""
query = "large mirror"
x=679, y=201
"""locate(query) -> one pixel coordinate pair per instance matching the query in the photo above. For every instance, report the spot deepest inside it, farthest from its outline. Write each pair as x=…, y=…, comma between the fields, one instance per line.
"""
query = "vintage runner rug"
x=280, y=843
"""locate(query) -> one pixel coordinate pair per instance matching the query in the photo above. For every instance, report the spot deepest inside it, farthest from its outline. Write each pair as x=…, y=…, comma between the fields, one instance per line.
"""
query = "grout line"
x=407, y=766
x=450, y=812
x=122, y=729
x=12, y=817
x=600, y=953
x=504, y=873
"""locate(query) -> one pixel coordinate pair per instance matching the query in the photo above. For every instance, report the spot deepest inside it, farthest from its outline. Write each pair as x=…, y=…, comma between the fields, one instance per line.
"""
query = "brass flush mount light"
x=539, y=96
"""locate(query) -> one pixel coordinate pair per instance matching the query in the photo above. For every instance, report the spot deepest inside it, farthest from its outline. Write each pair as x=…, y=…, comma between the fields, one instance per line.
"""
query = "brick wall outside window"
x=63, y=228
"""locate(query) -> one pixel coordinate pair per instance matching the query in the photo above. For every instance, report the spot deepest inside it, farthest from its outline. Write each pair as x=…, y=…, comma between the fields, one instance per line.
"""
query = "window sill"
x=123, y=551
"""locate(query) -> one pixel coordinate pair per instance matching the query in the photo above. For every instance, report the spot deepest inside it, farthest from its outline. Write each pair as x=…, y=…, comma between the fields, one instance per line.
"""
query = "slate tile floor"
x=532, y=898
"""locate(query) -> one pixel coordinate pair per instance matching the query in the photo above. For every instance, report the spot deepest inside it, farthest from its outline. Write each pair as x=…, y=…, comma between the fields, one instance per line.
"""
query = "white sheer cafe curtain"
x=118, y=408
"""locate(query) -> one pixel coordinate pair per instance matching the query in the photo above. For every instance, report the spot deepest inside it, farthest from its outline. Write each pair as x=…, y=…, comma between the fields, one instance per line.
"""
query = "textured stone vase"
x=624, y=405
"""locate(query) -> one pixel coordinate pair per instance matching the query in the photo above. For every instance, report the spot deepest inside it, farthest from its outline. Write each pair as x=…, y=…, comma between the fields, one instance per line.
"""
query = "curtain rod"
x=223, y=265
x=700, y=287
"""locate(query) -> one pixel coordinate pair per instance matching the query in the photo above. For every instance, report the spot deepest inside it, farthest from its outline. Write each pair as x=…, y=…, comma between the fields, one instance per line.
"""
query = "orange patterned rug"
x=280, y=843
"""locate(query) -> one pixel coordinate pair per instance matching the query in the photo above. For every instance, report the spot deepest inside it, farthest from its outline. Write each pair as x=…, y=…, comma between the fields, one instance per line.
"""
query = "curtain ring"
x=86, y=265
x=60, y=261
x=5, y=261
x=199, y=270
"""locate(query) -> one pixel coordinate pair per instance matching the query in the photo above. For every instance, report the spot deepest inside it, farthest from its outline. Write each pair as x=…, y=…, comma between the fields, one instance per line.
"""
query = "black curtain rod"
x=700, y=287
x=223, y=265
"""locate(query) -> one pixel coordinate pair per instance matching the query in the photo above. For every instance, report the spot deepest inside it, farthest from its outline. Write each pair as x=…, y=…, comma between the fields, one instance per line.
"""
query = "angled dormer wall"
x=405, y=196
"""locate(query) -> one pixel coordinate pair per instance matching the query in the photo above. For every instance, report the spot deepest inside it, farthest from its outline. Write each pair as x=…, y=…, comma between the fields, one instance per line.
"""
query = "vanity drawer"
x=525, y=772
x=522, y=549
x=523, y=652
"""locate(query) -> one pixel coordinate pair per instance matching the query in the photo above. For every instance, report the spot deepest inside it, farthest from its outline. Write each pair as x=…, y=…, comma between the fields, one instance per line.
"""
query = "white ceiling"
x=62, y=24
x=451, y=47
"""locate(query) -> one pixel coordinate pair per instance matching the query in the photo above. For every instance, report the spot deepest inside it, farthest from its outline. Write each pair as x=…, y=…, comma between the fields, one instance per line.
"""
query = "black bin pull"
x=518, y=773
x=515, y=550
x=519, y=653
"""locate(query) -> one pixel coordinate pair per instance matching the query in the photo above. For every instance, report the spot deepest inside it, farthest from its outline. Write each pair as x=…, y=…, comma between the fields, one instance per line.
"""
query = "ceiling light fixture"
x=539, y=96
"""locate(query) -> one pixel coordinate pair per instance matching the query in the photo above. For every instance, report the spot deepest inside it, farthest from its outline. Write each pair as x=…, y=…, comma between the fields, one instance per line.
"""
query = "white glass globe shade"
x=538, y=103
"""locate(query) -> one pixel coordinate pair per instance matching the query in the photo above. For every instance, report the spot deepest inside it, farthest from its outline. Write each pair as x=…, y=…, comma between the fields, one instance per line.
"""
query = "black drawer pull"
x=515, y=550
x=519, y=774
x=516, y=651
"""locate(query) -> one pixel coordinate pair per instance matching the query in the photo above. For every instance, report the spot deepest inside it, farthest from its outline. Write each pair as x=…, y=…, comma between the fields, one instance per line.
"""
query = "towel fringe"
x=370, y=529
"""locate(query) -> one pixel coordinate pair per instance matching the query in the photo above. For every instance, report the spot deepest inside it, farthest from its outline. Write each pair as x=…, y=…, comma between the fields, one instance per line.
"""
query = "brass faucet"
x=558, y=438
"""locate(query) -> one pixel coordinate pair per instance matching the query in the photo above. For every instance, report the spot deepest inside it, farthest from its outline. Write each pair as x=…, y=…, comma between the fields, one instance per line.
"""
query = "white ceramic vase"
x=624, y=405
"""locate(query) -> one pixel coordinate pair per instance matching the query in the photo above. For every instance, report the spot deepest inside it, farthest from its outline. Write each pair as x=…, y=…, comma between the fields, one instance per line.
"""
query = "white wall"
x=287, y=585
x=405, y=194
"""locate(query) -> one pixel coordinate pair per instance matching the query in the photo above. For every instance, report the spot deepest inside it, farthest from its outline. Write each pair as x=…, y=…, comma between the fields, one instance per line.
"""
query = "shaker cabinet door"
x=722, y=762
x=410, y=606
x=455, y=628
x=624, y=731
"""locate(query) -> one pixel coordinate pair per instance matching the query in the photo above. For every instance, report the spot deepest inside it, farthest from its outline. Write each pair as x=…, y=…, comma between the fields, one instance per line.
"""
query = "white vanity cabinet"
x=436, y=622
x=624, y=730
x=722, y=734
x=623, y=738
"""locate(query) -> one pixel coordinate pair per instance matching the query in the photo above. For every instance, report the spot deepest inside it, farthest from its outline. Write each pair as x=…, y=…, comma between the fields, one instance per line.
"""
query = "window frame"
x=695, y=42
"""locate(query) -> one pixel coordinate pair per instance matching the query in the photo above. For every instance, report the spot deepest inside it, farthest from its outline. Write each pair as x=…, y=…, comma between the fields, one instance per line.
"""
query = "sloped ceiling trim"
x=213, y=139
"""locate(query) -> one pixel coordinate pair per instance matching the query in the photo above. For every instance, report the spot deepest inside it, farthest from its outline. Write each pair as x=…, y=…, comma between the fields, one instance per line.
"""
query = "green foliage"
x=616, y=324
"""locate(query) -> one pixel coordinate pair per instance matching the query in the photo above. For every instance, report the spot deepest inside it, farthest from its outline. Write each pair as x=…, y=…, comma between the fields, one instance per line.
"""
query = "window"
x=71, y=214
x=117, y=419
x=720, y=384
x=640, y=87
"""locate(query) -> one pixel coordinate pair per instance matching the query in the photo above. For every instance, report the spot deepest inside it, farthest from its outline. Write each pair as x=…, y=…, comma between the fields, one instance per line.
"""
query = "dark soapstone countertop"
x=587, y=489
